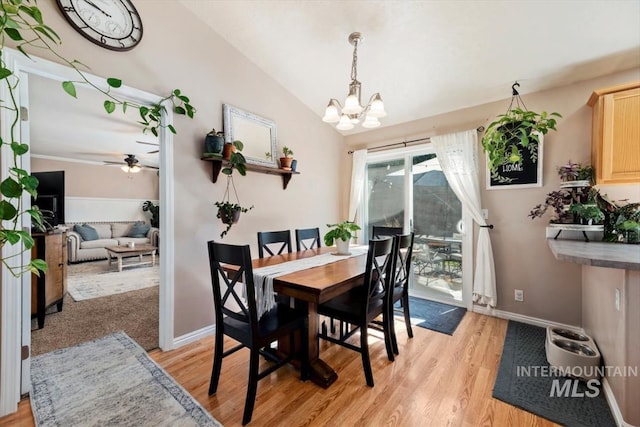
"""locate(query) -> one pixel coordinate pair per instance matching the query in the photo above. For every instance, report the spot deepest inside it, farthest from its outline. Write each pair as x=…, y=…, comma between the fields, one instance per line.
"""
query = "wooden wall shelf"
x=217, y=163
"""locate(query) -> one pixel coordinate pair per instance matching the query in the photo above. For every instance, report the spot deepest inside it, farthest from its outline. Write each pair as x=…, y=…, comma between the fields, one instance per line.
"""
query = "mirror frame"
x=233, y=116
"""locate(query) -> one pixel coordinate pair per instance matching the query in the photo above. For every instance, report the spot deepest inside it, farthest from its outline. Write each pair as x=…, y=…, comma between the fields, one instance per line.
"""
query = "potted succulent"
x=285, y=162
x=228, y=212
x=512, y=132
x=341, y=234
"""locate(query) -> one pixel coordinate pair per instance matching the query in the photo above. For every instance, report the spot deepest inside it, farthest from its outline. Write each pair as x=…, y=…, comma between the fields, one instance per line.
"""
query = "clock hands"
x=89, y=2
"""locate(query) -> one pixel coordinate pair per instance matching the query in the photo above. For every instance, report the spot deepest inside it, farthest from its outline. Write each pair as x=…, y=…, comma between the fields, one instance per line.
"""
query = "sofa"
x=109, y=234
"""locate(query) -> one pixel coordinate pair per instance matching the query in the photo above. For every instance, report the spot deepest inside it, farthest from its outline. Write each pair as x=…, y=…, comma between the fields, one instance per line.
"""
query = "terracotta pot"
x=285, y=162
x=227, y=150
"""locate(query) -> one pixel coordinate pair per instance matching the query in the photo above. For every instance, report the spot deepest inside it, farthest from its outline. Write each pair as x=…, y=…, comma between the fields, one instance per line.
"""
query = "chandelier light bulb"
x=331, y=114
x=352, y=105
x=370, y=122
x=344, y=123
x=377, y=107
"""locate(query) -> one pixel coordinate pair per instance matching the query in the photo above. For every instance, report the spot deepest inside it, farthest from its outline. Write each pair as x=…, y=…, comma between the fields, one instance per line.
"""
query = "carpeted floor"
x=110, y=381
x=524, y=347
x=433, y=315
x=134, y=312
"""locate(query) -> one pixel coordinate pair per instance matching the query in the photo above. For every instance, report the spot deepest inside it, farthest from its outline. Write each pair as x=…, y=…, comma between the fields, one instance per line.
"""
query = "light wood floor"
x=437, y=380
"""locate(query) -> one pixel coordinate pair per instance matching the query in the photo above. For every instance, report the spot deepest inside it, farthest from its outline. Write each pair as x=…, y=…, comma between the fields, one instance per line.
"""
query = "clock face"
x=112, y=24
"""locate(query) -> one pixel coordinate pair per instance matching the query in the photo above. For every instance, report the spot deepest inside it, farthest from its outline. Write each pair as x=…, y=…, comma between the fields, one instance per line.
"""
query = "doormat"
x=524, y=380
x=110, y=381
x=439, y=317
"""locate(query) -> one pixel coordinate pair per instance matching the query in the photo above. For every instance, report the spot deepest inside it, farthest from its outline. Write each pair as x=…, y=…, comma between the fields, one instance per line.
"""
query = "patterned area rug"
x=524, y=381
x=98, y=279
x=443, y=318
x=110, y=381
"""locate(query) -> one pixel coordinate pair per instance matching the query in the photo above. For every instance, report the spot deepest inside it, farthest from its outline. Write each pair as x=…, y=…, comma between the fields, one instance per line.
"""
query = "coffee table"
x=119, y=252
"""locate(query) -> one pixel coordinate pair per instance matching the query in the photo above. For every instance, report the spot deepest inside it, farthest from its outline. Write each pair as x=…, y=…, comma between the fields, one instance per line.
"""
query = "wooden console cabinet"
x=615, y=144
x=50, y=287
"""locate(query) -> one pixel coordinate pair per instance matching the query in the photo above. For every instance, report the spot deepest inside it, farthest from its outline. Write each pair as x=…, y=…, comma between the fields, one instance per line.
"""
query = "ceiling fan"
x=150, y=143
x=131, y=165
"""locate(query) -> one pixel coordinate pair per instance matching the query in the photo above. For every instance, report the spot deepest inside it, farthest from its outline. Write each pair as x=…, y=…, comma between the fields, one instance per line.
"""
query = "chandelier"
x=353, y=111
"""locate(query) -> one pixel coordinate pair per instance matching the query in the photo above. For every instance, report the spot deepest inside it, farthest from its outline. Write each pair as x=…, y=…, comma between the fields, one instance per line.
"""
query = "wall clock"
x=112, y=24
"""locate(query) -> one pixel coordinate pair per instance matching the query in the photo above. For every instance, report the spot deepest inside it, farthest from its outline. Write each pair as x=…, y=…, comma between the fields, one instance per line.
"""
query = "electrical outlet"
x=518, y=295
x=617, y=299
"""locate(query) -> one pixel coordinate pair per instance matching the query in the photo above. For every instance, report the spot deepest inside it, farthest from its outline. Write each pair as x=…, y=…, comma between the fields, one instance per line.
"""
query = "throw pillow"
x=86, y=231
x=139, y=229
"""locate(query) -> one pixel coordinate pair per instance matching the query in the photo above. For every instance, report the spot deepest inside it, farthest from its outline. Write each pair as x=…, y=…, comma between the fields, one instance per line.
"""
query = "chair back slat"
x=308, y=238
x=379, y=231
x=403, y=252
x=268, y=242
x=237, y=299
x=378, y=273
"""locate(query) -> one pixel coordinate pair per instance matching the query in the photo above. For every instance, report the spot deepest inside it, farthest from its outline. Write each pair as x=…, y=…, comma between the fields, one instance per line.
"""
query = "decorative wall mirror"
x=256, y=133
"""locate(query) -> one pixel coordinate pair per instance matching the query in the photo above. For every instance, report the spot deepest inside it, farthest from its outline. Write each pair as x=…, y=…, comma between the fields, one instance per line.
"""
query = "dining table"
x=314, y=286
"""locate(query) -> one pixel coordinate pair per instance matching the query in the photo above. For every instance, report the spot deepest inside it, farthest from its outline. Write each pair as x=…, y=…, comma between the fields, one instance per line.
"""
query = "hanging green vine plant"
x=516, y=130
x=22, y=22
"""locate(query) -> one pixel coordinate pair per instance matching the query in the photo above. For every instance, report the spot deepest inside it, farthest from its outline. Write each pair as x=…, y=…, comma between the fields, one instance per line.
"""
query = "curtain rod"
x=404, y=143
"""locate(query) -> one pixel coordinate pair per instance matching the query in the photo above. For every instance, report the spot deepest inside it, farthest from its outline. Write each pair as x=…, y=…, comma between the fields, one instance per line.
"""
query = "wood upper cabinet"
x=615, y=143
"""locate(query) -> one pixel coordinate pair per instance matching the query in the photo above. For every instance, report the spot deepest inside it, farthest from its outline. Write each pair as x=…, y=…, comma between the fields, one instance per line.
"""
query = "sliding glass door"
x=410, y=190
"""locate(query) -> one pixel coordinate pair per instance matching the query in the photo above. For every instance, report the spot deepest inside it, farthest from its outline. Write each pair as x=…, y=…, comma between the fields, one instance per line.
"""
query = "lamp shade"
x=344, y=123
x=352, y=105
x=377, y=107
x=331, y=114
x=370, y=122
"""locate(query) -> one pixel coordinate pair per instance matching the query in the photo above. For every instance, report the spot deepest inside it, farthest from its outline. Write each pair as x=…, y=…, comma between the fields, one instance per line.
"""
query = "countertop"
x=598, y=254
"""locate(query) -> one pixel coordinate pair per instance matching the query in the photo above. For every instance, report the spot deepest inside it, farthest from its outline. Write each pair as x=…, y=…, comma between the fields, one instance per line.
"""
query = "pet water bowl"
x=573, y=353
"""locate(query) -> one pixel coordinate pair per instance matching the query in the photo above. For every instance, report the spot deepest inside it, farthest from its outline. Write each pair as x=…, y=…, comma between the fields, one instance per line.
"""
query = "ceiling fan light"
x=135, y=169
x=344, y=123
x=377, y=107
x=124, y=168
x=370, y=122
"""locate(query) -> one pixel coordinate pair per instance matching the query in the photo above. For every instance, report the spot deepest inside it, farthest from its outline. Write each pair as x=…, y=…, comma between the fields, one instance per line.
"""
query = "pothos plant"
x=228, y=212
x=21, y=21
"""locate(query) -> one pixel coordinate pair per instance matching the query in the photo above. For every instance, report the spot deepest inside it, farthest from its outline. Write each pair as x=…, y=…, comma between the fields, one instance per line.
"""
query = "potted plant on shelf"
x=589, y=214
x=341, y=233
x=285, y=162
x=213, y=143
x=228, y=212
x=559, y=202
x=512, y=132
x=576, y=174
x=630, y=231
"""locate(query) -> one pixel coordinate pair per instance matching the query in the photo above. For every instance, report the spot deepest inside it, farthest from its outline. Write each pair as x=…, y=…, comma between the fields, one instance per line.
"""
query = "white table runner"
x=263, y=276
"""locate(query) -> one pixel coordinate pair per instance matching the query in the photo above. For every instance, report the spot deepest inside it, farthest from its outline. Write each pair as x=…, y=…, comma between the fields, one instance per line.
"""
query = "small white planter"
x=343, y=247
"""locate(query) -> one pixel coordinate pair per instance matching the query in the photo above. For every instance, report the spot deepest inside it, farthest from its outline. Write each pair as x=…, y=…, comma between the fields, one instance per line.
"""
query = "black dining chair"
x=363, y=304
x=307, y=238
x=402, y=252
x=236, y=315
x=268, y=242
x=379, y=231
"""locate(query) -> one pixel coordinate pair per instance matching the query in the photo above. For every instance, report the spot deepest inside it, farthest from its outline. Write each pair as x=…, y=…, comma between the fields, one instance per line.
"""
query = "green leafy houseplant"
x=630, y=231
x=228, y=212
x=589, y=213
x=22, y=22
x=512, y=132
x=148, y=206
x=342, y=231
x=285, y=162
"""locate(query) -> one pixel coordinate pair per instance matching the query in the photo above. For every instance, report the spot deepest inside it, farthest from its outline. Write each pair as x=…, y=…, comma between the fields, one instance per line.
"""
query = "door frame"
x=467, y=241
x=15, y=313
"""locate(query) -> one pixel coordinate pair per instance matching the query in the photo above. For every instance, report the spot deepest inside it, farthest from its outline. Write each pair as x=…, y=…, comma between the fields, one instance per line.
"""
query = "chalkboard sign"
x=525, y=173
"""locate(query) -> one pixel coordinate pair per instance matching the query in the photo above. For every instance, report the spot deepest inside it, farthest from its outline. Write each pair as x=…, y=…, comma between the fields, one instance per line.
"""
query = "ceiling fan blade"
x=153, y=152
x=148, y=143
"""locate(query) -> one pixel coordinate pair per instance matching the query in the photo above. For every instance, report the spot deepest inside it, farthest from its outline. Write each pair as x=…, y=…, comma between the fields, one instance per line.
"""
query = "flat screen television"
x=50, y=196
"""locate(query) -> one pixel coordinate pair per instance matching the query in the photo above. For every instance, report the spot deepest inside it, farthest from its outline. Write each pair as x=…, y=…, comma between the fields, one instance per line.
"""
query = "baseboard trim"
x=523, y=318
x=613, y=405
x=194, y=336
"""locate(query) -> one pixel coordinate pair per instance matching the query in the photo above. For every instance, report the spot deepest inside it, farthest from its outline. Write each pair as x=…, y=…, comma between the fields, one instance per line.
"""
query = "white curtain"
x=458, y=157
x=357, y=186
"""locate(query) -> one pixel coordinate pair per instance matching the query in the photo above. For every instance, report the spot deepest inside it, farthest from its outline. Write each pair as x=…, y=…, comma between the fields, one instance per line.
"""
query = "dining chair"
x=363, y=304
x=267, y=238
x=307, y=238
x=236, y=316
x=402, y=254
x=381, y=231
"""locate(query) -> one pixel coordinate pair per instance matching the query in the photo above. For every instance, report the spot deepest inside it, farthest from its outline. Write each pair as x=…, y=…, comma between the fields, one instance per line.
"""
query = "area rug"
x=110, y=381
x=524, y=381
x=439, y=317
x=98, y=279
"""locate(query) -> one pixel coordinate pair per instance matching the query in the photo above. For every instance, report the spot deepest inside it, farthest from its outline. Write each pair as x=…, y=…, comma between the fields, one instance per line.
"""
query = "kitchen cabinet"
x=615, y=143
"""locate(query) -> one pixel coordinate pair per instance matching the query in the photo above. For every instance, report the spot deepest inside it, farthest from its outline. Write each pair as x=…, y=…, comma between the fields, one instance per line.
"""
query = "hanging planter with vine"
x=511, y=133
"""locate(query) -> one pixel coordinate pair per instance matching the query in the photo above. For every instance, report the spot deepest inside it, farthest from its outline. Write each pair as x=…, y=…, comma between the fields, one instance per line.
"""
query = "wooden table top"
x=126, y=249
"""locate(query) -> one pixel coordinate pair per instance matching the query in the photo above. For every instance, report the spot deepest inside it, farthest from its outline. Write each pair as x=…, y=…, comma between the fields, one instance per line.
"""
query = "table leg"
x=321, y=373
x=120, y=264
x=153, y=258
